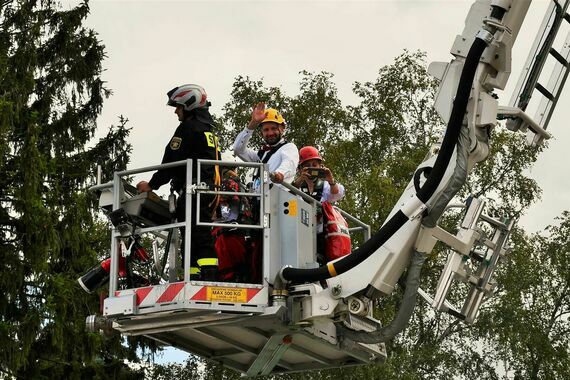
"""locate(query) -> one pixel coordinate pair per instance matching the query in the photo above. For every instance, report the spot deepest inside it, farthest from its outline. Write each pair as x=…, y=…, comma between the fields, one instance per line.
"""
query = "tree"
x=528, y=326
x=51, y=92
x=501, y=178
x=189, y=371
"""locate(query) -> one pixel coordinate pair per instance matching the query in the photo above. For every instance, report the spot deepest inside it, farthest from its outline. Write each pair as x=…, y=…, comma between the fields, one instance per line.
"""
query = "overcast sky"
x=153, y=46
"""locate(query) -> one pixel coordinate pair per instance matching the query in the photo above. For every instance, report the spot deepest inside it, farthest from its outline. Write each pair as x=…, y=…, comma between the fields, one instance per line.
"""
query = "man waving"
x=282, y=157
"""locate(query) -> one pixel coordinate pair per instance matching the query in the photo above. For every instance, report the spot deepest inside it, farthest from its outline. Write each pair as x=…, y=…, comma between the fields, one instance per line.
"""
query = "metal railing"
x=118, y=186
x=361, y=226
x=262, y=174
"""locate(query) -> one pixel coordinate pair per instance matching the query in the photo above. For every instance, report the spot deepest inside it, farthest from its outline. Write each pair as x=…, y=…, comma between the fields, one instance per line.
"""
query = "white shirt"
x=284, y=161
x=328, y=196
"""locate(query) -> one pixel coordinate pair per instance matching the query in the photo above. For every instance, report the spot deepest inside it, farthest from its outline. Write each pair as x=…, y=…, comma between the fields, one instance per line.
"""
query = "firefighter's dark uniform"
x=193, y=139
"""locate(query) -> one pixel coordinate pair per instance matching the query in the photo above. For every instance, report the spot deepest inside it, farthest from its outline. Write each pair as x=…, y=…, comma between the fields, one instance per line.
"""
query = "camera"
x=317, y=172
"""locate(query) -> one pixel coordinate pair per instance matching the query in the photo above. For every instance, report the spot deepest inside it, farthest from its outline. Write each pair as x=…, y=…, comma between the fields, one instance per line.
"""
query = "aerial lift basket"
x=249, y=327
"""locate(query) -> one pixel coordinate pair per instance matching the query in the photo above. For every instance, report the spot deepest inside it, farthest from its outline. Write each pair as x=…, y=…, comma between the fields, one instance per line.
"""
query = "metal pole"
x=232, y=164
x=264, y=177
x=188, y=221
x=113, y=280
x=151, y=168
x=365, y=227
x=298, y=192
x=196, y=192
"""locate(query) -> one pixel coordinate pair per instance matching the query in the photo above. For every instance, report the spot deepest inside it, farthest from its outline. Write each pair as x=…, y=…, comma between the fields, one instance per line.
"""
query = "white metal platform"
x=249, y=336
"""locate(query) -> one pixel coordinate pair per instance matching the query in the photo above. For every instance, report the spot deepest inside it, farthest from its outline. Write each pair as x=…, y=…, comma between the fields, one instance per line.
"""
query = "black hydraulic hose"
x=404, y=313
x=297, y=275
x=455, y=121
x=349, y=261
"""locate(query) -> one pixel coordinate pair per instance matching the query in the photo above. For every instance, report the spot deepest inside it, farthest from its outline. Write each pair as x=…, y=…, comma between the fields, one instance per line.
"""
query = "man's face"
x=179, y=111
x=271, y=132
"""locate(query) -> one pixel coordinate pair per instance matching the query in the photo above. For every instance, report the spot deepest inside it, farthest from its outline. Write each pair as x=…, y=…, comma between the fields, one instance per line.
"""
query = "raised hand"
x=257, y=115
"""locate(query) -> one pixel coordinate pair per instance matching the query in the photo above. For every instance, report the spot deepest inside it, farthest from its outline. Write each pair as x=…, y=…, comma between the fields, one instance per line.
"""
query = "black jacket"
x=193, y=139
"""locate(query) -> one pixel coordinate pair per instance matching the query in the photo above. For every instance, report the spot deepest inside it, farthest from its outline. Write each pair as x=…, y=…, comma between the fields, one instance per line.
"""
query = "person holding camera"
x=315, y=179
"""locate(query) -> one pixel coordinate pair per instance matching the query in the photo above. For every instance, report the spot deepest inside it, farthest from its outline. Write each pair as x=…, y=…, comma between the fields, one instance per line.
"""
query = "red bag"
x=237, y=257
x=337, y=237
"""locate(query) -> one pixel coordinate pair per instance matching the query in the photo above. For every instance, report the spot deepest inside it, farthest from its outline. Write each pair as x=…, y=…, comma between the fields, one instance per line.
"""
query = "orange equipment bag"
x=337, y=236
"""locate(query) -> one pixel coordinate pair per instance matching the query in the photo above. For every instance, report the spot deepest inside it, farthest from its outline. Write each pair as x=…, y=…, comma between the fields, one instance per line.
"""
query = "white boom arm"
x=380, y=271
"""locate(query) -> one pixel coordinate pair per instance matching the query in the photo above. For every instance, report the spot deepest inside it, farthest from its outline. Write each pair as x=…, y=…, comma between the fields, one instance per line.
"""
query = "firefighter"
x=193, y=139
x=282, y=157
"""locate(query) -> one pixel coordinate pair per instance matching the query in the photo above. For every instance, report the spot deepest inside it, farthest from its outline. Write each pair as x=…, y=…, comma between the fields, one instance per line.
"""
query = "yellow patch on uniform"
x=210, y=139
x=175, y=143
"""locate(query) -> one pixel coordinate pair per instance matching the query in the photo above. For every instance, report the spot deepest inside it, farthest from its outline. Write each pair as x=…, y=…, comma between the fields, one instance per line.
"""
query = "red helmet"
x=309, y=153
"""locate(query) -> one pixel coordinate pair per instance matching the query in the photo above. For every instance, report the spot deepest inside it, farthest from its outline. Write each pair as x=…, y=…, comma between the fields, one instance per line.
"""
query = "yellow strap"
x=208, y=262
x=217, y=181
x=332, y=270
x=194, y=270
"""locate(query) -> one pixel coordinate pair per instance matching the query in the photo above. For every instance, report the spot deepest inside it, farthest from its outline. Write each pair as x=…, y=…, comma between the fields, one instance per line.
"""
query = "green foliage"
x=189, y=371
x=501, y=178
x=528, y=325
x=51, y=93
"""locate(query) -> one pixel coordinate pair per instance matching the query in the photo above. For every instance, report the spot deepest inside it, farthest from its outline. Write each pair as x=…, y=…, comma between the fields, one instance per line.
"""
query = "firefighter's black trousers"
x=201, y=239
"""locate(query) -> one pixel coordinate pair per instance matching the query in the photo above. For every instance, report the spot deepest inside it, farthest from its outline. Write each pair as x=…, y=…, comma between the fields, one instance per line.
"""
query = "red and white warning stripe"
x=180, y=291
x=157, y=294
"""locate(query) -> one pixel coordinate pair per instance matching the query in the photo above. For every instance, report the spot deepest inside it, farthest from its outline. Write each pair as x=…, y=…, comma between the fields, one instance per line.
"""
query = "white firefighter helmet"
x=191, y=96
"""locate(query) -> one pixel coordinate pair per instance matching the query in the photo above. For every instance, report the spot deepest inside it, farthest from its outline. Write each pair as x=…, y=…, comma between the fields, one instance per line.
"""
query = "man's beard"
x=273, y=140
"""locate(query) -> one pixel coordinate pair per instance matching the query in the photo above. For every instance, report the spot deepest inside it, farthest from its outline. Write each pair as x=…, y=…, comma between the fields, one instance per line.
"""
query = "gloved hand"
x=143, y=187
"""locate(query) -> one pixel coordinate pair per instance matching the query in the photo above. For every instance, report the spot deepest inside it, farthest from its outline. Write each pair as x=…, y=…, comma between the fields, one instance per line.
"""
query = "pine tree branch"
x=54, y=361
